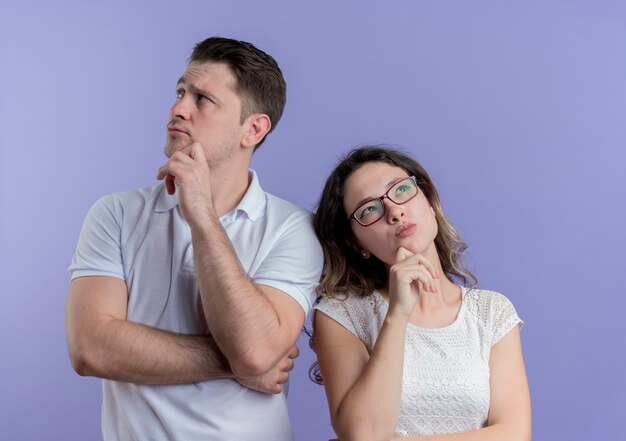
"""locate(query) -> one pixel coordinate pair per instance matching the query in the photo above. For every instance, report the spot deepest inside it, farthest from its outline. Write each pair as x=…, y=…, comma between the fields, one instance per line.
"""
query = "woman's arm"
x=363, y=391
x=509, y=410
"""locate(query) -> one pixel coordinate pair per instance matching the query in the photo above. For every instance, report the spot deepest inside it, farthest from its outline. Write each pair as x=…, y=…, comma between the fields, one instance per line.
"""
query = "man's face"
x=207, y=110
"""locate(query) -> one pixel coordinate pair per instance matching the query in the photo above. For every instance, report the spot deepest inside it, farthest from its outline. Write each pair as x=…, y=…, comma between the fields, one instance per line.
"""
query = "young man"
x=187, y=298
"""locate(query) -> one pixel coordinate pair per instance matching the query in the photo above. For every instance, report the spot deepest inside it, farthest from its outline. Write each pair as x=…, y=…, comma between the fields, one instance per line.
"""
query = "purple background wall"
x=517, y=110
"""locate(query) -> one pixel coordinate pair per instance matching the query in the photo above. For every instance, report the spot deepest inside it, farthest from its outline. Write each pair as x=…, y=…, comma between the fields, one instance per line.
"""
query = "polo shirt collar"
x=165, y=202
x=252, y=204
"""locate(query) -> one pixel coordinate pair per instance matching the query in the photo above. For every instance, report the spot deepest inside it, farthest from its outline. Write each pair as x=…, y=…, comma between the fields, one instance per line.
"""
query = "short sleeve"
x=98, y=252
x=503, y=317
x=294, y=264
x=337, y=310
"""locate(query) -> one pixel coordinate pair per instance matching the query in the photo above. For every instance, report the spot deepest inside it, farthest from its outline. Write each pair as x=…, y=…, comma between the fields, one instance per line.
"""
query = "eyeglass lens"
x=374, y=209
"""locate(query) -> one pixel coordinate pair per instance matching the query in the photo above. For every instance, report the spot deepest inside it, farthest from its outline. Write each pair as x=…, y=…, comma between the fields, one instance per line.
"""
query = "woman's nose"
x=394, y=211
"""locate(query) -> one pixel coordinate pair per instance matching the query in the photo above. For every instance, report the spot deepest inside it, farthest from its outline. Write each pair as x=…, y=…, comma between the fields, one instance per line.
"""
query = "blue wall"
x=517, y=109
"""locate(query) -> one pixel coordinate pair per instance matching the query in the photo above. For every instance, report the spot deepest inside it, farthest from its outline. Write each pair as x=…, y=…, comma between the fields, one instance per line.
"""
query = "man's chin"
x=170, y=149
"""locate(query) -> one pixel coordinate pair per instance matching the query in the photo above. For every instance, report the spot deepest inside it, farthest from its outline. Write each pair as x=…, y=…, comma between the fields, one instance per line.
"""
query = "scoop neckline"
x=410, y=325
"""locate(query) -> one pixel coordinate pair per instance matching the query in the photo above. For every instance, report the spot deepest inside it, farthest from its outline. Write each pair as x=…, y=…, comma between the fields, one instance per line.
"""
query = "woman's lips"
x=405, y=230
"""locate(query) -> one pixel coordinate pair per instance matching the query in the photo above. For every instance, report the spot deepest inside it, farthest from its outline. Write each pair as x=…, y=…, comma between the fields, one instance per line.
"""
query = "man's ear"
x=256, y=127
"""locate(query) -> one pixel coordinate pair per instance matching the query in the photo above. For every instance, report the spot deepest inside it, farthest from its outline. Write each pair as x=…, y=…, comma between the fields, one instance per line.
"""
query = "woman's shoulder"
x=360, y=309
x=362, y=316
x=484, y=298
x=493, y=310
x=348, y=297
x=348, y=302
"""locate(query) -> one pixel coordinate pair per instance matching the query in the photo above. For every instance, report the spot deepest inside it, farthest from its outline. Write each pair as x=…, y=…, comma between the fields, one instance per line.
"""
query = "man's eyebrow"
x=195, y=89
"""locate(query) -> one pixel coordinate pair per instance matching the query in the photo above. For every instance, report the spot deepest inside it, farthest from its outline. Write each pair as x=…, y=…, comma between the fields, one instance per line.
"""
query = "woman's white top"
x=445, y=383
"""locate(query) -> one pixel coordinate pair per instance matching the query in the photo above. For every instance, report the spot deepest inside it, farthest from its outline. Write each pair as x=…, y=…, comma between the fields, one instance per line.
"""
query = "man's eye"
x=180, y=94
x=203, y=98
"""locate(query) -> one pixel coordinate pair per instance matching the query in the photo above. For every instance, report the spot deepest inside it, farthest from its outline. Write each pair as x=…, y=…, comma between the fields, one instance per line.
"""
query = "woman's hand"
x=410, y=274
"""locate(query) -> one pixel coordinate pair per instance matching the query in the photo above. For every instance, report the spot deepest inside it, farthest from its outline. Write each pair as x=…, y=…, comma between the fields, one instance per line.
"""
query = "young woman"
x=403, y=350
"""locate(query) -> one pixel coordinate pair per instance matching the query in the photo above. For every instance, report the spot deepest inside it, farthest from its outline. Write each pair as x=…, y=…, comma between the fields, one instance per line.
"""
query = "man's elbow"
x=250, y=365
x=253, y=362
x=80, y=363
x=83, y=357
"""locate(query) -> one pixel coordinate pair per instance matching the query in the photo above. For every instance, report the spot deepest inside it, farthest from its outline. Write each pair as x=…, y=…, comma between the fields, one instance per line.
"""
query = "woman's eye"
x=405, y=190
x=368, y=210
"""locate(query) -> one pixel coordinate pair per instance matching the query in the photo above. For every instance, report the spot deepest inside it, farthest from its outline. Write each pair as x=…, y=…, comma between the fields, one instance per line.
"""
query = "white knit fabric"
x=445, y=384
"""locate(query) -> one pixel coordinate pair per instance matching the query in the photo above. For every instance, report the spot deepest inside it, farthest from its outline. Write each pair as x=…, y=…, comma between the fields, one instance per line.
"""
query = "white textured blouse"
x=445, y=383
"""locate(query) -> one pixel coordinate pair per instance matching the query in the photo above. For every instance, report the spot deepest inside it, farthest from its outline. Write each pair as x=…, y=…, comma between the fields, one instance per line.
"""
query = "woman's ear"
x=357, y=248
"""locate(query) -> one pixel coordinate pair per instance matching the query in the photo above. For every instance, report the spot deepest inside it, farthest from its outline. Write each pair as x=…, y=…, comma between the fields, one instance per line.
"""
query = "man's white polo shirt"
x=140, y=237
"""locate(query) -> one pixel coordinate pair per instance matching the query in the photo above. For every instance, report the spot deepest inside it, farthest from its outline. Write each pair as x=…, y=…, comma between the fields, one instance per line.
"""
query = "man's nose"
x=180, y=109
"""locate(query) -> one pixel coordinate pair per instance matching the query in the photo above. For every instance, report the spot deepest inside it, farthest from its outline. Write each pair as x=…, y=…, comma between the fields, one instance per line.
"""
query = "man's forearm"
x=242, y=320
x=125, y=351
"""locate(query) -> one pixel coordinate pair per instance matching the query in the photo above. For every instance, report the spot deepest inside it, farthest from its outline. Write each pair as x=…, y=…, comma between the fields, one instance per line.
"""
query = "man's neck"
x=228, y=188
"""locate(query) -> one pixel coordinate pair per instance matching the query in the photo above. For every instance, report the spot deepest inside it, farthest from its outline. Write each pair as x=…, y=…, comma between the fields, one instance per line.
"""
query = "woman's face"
x=411, y=225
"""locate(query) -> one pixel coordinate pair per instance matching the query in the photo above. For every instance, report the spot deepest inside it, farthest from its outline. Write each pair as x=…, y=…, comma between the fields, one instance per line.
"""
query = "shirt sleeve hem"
x=86, y=273
x=291, y=290
x=517, y=322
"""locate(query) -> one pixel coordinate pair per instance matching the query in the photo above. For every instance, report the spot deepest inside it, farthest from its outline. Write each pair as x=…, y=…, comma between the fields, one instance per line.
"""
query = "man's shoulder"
x=125, y=203
x=131, y=198
x=286, y=220
x=145, y=193
x=279, y=206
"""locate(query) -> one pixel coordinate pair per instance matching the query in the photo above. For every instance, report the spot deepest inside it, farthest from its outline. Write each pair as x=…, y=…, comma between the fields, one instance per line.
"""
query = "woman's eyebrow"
x=389, y=185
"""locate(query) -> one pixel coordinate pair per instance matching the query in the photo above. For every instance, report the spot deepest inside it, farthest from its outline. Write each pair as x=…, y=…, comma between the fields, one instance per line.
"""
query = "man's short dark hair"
x=260, y=82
